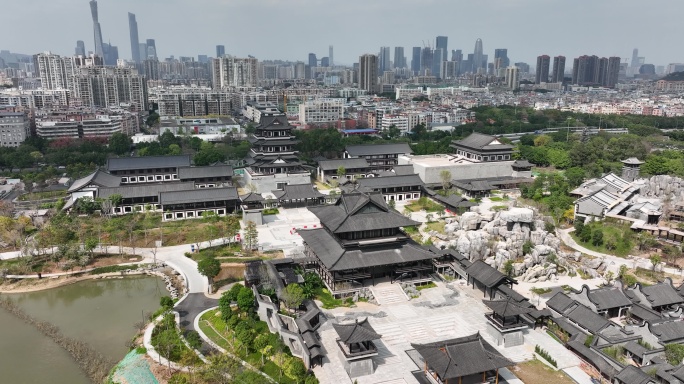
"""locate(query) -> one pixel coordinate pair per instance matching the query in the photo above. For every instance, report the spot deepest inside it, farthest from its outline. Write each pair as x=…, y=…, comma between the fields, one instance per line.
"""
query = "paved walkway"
x=387, y=293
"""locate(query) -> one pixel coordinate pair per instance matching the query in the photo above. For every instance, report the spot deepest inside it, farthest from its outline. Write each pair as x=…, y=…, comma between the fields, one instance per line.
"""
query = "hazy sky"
x=279, y=29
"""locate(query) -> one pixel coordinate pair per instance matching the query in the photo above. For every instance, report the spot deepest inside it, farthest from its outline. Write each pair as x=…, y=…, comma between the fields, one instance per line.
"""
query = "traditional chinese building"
x=362, y=242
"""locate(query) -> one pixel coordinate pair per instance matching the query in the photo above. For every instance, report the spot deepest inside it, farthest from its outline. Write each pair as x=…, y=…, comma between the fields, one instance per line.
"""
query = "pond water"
x=101, y=313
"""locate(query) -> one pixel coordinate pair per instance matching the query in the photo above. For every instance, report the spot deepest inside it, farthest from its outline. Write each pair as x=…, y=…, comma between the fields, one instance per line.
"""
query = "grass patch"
x=536, y=372
x=540, y=291
x=496, y=198
x=424, y=204
x=112, y=268
x=426, y=286
x=498, y=208
x=329, y=302
x=617, y=238
x=42, y=195
x=271, y=211
x=437, y=226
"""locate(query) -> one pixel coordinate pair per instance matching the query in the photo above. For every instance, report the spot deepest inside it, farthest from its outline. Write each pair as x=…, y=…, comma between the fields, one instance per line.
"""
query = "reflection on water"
x=99, y=312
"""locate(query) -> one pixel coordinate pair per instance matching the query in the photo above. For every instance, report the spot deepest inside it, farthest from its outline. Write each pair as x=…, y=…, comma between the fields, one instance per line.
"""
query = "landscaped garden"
x=607, y=237
x=236, y=328
x=424, y=204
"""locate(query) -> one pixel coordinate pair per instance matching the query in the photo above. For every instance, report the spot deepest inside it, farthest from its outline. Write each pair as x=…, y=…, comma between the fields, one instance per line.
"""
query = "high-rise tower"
x=399, y=58
x=80, y=48
x=220, y=50
x=415, y=60
x=331, y=62
x=635, y=58
x=135, y=43
x=478, y=57
x=384, y=59
x=543, y=63
x=151, y=49
x=558, y=69
x=441, y=44
x=97, y=31
x=368, y=73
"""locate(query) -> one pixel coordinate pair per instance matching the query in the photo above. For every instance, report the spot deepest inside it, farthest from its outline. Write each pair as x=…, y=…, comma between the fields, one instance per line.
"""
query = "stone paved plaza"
x=447, y=311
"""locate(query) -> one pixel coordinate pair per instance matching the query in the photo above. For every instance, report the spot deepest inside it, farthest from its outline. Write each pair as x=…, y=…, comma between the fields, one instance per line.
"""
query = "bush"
x=194, y=340
x=597, y=237
x=545, y=355
x=527, y=247
x=245, y=299
x=141, y=350
x=674, y=353
x=166, y=302
x=111, y=268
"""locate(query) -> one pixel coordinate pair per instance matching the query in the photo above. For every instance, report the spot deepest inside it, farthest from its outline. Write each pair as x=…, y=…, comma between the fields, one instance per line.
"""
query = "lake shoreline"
x=46, y=283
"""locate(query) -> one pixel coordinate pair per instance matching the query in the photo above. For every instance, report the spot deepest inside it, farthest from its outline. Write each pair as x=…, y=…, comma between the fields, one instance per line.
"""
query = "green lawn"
x=424, y=204
x=437, y=226
x=329, y=302
x=619, y=235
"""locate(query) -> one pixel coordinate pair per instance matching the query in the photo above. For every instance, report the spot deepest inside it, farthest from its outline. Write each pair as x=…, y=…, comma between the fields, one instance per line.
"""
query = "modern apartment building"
x=543, y=63
x=15, y=127
x=229, y=71
x=321, y=111
x=558, y=69
x=110, y=86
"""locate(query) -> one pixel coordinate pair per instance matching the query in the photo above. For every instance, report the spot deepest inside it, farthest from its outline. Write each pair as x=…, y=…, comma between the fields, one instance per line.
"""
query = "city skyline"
x=595, y=37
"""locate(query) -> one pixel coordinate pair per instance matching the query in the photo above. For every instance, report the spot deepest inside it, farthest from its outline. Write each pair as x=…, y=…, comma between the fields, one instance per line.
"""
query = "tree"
x=508, y=267
x=251, y=239
x=392, y=204
x=120, y=143
x=209, y=267
x=294, y=368
x=597, y=237
x=193, y=338
x=245, y=299
x=655, y=260
x=293, y=295
x=445, y=177
x=341, y=172
x=280, y=358
x=622, y=272
x=645, y=241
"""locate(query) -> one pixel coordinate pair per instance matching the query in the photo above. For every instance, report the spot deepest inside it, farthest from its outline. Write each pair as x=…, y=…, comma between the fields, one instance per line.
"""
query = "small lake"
x=101, y=313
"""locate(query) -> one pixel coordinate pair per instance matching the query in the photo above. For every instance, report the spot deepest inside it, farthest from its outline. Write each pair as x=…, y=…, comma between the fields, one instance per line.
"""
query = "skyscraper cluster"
x=592, y=70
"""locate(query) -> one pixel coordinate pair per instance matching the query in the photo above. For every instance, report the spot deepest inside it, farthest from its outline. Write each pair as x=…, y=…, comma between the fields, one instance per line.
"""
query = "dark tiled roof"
x=636, y=348
x=644, y=313
x=507, y=308
x=337, y=258
x=378, y=149
x=511, y=293
x=485, y=274
x=370, y=183
x=311, y=340
x=251, y=197
x=473, y=185
x=567, y=326
x=273, y=121
x=480, y=141
x=402, y=170
x=609, y=297
x=333, y=165
x=662, y=294
x=144, y=162
x=185, y=173
x=669, y=331
x=356, y=332
x=633, y=375
x=463, y=356
x=559, y=302
x=298, y=191
x=144, y=190
x=586, y=318
x=357, y=211
x=454, y=201
x=99, y=178
x=522, y=164
x=198, y=195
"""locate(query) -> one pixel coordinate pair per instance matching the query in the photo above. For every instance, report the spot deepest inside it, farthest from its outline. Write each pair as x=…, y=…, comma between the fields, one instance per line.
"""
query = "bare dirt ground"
x=536, y=372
